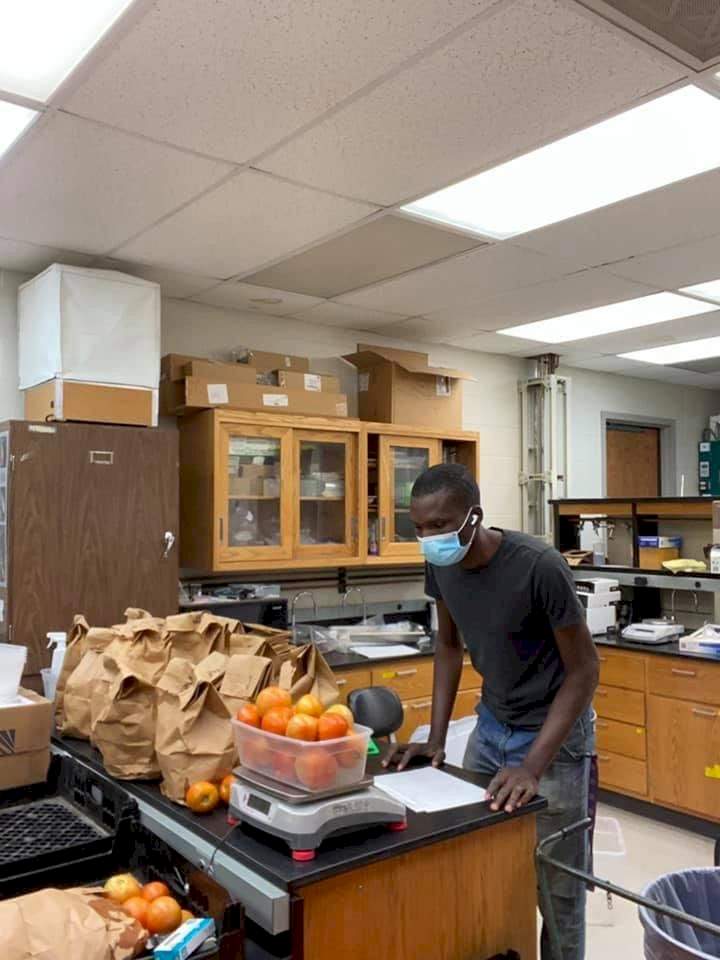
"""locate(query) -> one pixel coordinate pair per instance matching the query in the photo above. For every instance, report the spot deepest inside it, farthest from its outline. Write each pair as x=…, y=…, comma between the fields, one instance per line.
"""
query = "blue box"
x=185, y=940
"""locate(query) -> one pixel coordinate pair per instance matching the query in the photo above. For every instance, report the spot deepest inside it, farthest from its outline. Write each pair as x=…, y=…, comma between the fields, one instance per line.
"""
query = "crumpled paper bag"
x=74, y=651
x=75, y=720
x=196, y=635
x=308, y=672
x=257, y=640
x=193, y=739
x=142, y=642
x=245, y=676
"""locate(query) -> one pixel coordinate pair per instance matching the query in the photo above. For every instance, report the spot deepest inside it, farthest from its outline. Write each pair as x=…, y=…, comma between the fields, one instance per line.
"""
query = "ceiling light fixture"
x=667, y=139
x=13, y=121
x=710, y=290
x=41, y=41
x=677, y=352
x=610, y=318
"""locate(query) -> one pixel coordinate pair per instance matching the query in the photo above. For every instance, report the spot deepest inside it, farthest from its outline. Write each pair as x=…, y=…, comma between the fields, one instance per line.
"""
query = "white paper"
x=363, y=382
x=217, y=393
x=443, y=387
x=428, y=790
x=313, y=381
x=384, y=651
x=275, y=400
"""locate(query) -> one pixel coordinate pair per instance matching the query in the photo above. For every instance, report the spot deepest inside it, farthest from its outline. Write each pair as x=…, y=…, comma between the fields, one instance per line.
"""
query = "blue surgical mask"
x=446, y=549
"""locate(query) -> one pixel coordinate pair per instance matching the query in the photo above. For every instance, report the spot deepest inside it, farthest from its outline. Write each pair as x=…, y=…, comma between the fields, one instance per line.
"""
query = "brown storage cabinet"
x=88, y=520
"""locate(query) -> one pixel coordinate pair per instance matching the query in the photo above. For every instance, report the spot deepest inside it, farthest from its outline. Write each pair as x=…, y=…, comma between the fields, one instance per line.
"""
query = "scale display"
x=260, y=804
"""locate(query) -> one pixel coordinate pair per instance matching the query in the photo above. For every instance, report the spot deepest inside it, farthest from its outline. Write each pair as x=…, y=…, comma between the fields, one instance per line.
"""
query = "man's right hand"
x=403, y=754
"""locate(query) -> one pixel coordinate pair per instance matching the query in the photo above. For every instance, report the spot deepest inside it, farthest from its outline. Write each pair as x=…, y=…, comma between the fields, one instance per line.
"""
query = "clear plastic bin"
x=314, y=766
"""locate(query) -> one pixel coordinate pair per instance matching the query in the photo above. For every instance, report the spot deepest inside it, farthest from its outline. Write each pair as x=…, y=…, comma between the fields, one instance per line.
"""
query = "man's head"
x=446, y=498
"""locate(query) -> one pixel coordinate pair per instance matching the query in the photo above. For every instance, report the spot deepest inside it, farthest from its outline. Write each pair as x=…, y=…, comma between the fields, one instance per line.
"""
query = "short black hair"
x=453, y=478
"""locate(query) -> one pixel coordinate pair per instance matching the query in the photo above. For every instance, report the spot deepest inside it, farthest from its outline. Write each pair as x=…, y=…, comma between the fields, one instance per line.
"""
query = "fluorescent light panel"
x=710, y=290
x=13, y=120
x=678, y=352
x=610, y=318
x=41, y=41
x=668, y=139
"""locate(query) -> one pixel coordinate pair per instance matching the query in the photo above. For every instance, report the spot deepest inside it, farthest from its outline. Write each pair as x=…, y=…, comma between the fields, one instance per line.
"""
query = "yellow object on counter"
x=684, y=566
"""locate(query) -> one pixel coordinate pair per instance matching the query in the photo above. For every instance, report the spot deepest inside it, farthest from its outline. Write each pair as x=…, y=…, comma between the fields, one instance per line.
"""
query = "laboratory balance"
x=303, y=820
x=653, y=631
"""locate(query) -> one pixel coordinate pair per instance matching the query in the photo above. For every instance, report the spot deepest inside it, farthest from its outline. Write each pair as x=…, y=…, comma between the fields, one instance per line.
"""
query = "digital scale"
x=305, y=819
x=653, y=631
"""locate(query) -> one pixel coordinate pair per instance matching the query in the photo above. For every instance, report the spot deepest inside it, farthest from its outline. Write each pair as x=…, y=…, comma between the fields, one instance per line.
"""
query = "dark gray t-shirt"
x=506, y=613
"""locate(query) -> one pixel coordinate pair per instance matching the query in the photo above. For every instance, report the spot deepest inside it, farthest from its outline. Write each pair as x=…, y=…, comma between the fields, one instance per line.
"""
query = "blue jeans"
x=565, y=784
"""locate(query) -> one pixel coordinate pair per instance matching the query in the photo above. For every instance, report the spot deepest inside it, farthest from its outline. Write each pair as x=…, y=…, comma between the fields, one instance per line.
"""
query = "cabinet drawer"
x=349, y=680
x=623, y=738
x=416, y=713
x=469, y=678
x=622, y=669
x=465, y=703
x=622, y=773
x=409, y=677
x=612, y=703
x=684, y=678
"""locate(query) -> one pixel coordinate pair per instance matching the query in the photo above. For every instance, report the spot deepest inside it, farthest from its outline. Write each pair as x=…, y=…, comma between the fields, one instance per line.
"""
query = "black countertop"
x=271, y=858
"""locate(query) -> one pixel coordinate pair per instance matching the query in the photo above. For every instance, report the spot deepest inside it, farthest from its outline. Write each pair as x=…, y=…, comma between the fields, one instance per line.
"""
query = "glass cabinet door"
x=402, y=460
x=3, y=509
x=254, y=482
x=326, y=515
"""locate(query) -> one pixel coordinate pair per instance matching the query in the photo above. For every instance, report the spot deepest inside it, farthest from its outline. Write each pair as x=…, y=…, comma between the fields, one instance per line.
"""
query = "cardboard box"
x=245, y=486
x=316, y=382
x=399, y=386
x=172, y=366
x=216, y=372
x=199, y=394
x=92, y=403
x=268, y=362
x=652, y=558
x=25, y=740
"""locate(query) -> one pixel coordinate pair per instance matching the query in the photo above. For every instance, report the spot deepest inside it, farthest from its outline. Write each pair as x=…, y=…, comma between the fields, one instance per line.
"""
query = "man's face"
x=439, y=513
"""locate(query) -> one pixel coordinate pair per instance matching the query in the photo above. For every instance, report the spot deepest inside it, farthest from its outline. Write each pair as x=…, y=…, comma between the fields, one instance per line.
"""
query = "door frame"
x=667, y=430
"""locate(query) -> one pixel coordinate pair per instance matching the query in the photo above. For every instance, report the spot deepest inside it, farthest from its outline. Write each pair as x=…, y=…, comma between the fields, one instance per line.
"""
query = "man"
x=511, y=599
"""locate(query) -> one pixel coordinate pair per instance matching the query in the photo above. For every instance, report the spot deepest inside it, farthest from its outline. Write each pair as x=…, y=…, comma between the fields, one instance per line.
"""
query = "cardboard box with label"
x=198, y=394
x=265, y=362
x=315, y=382
x=71, y=400
x=25, y=729
x=400, y=386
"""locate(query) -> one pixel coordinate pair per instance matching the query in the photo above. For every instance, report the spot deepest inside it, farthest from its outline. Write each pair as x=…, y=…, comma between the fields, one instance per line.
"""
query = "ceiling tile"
x=238, y=295
x=172, y=284
x=82, y=186
x=532, y=71
x=28, y=258
x=341, y=315
x=382, y=248
x=462, y=279
x=232, y=79
x=430, y=331
x=650, y=371
x=674, y=267
x=677, y=214
x=494, y=343
x=242, y=224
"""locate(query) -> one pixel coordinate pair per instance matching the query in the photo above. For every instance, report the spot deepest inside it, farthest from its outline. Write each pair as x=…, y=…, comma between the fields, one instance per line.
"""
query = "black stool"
x=379, y=708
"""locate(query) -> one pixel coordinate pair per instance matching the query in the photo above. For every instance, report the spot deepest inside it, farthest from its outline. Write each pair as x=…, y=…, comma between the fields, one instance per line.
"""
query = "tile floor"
x=652, y=849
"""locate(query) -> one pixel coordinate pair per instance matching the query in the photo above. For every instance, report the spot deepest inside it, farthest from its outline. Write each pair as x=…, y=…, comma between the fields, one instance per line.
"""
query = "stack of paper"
x=428, y=790
x=384, y=651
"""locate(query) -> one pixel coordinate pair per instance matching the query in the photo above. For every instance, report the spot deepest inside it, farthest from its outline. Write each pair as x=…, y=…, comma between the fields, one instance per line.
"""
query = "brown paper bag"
x=193, y=739
x=308, y=672
x=257, y=640
x=75, y=720
x=196, y=635
x=142, y=642
x=245, y=676
x=68, y=925
x=74, y=650
x=137, y=613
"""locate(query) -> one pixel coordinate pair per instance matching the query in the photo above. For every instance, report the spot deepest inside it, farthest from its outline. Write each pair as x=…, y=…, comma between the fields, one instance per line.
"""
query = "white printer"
x=598, y=595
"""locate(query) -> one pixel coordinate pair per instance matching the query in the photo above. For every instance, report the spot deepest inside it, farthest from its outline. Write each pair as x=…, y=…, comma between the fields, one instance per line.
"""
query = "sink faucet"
x=362, y=599
x=303, y=593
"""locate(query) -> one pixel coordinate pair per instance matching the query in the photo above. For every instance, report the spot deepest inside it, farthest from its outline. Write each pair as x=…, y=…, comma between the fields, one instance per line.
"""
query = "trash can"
x=695, y=892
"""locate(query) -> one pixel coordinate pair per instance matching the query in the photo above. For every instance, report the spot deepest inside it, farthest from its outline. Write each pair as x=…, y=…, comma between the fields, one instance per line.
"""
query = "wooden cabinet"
x=620, y=726
x=685, y=678
x=614, y=703
x=349, y=680
x=416, y=713
x=409, y=678
x=622, y=773
x=401, y=461
x=625, y=670
x=684, y=753
x=627, y=739
x=466, y=703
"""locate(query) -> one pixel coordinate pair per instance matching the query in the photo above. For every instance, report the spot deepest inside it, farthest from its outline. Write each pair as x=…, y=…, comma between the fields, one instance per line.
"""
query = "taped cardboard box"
x=400, y=386
x=198, y=394
x=25, y=729
x=315, y=382
x=70, y=400
x=217, y=372
x=172, y=366
x=265, y=362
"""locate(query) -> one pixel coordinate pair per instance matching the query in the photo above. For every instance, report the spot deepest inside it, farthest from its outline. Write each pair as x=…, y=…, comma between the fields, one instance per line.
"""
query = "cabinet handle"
x=341, y=682
x=602, y=659
x=601, y=725
x=601, y=693
x=221, y=530
x=383, y=528
x=478, y=694
x=421, y=706
x=405, y=673
x=683, y=673
x=700, y=712
x=604, y=758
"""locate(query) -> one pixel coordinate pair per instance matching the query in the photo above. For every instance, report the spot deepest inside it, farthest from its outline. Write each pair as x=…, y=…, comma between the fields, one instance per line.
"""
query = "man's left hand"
x=511, y=788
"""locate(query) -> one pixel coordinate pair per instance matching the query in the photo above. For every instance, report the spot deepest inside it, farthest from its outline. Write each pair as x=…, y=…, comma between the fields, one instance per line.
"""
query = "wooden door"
x=90, y=508
x=402, y=460
x=633, y=460
x=684, y=755
x=253, y=494
x=325, y=495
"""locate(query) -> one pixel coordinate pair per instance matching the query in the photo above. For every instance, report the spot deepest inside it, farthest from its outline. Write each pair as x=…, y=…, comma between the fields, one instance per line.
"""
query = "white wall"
x=10, y=398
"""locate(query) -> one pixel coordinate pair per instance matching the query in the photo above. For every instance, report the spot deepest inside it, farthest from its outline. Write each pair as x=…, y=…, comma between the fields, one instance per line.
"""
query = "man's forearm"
x=446, y=679
x=571, y=700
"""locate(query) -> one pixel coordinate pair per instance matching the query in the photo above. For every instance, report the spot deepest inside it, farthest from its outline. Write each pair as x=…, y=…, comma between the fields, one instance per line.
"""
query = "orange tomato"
x=202, y=797
x=341, y=710
x=276, y=720
x=186, y=915
x=331, y=726
x=352, y=757
x=249, y=714
x=121, y=887
x=163, y=915
x=257, y=756
x=226, y=788
x=302, y=727
x=151, y=891
x=316, y=769
x=137, y=907
x=272, y=697
x=283, y=767
x=310, y=705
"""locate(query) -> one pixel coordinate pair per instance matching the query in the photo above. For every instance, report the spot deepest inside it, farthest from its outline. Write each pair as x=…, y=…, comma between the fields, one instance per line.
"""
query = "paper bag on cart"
x=142, y=642
x=193, y=737
x=75, y=720
x=196, y=635
x=74, y=650
x=68, y=925
x=308, y=672
x=245, y=676
x=260, y=641
x=123, y=710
